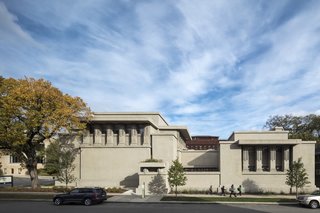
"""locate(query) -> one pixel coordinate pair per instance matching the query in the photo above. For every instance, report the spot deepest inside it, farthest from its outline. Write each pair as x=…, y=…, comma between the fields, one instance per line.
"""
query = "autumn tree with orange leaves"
x=32, y=111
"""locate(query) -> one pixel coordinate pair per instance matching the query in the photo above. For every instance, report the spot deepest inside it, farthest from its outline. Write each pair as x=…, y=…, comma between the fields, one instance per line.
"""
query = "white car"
x=312, y=200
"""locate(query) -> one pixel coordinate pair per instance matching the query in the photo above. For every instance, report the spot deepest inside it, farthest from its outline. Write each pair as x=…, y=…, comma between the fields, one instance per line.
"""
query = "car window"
x=74, y=191
x=86, y=190
x=98, y=190
x=316, y=193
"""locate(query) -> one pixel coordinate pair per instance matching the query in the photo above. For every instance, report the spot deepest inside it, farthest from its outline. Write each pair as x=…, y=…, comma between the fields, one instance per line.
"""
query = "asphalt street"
x=48, y=207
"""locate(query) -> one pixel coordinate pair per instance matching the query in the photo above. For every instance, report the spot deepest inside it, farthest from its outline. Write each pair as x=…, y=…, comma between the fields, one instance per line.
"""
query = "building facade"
x=135, y=150
x=203, y=143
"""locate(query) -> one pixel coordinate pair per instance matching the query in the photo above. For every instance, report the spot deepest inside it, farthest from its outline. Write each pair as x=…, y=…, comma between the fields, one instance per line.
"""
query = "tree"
x=1, y=172
x=302, y=127
x=60, y=156
x=176, y=175
x=33, y=111
x=297, y=176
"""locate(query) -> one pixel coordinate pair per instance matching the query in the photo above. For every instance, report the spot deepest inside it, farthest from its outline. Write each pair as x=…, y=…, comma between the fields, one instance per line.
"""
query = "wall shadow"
x=130, y=181
x=157, y=185
x=250, y=186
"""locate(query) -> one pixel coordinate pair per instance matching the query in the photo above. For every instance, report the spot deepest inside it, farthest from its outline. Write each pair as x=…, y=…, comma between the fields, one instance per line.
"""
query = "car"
x=312, y=200
x=86, y=196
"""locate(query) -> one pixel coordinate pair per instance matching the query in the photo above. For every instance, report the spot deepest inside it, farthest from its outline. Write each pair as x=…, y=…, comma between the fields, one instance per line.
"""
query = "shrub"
x=115, y=190
x=151, y=160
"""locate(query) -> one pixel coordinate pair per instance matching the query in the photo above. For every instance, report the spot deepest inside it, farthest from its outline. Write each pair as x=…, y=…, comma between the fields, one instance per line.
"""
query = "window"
x=14, y=159
x=40, y=159
x=74, y=191
x=265, y=159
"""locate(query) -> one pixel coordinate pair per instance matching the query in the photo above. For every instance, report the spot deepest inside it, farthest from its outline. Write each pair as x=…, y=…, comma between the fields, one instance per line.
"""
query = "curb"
x=200, y=202
x=169, y=202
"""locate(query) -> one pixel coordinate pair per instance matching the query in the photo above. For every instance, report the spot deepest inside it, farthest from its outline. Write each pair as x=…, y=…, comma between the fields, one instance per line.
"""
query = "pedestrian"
x=210, y=190
x=239, y=189
x=232, y=191
x=223, y=192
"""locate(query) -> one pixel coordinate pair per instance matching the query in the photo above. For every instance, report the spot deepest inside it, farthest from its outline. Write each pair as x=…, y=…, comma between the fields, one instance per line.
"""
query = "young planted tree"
x=297, y=176
x=32, y=111
x=60, y=156
x=176, y=175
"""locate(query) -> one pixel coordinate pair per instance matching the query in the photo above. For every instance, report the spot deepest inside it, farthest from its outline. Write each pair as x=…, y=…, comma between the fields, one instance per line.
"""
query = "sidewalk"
x=134, y=199
x=116, y=198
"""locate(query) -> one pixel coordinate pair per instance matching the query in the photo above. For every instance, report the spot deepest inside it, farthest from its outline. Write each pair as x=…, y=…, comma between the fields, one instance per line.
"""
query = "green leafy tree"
x=60, y=156
x=33, y=111
x=302, y=127
x=297, y=176
x=176, y=175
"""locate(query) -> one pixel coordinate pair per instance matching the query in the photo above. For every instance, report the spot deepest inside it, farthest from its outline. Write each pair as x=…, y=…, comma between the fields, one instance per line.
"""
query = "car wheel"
x=87, y=202
x=314, y=204
x=58, y=201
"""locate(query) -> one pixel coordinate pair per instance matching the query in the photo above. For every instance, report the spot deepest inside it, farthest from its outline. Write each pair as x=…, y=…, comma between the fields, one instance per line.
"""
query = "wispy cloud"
x=215, y=66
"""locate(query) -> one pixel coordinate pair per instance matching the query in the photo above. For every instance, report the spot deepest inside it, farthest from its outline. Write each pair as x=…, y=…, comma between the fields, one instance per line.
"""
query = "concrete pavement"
x=133, y=198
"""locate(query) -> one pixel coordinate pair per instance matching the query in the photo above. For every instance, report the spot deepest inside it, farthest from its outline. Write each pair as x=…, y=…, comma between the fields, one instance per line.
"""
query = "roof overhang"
x=270, y=142
x=182, y=129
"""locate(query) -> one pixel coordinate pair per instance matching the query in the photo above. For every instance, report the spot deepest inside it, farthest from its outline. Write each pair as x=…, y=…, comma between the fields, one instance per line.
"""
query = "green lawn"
x=226, y=199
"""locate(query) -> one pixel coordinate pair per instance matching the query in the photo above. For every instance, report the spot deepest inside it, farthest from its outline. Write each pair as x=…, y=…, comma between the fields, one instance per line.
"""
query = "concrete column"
x=121, y=135
x=97, y=134
x=146, y=135
x=259, y=159
x=245, y=159
x=273, y=153
x=109, y=135
x=286, y=153
x=133, y=135
x=86, y=137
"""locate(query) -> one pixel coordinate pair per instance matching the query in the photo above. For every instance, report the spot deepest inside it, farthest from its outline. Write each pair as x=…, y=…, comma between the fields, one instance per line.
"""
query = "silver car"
x=312, y=200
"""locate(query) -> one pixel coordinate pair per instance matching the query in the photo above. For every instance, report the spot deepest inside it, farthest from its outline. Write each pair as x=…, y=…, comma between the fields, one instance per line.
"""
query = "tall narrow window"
x=265, y=159
x=252, y=159
x=279, y=159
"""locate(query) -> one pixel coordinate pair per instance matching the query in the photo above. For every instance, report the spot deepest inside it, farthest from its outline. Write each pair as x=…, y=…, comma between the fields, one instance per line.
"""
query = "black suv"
x=86, y=196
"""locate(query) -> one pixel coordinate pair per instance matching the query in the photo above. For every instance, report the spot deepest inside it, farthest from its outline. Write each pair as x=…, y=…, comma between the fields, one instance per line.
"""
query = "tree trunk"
x=32, y=169
x=176, y=190
x=296, y=192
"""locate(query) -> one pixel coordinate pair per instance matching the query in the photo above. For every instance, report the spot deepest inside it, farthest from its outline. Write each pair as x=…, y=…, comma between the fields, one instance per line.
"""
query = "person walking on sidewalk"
x=232, y=191
x=223, y=192
x=210, y=190
x=239, y=190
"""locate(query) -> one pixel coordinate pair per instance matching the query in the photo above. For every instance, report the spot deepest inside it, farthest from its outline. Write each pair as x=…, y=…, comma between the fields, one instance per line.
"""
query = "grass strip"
x=226, y=199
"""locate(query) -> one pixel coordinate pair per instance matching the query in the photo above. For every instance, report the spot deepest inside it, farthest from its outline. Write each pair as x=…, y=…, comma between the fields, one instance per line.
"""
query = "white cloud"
x=10, y=31
x=214, y=66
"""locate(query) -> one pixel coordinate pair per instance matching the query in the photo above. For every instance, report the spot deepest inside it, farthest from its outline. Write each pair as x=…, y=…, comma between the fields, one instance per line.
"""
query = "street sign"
x=8, y=179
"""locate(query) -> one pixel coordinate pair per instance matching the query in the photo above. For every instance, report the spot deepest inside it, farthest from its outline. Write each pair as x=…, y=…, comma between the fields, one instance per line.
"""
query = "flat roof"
x=270, y=142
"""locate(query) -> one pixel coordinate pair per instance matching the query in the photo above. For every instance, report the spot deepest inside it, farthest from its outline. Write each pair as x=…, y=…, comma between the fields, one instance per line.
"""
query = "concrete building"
x=135, y=150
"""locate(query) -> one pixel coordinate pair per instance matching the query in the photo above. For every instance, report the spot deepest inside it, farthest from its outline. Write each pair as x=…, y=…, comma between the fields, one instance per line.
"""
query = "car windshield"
x=316, y=192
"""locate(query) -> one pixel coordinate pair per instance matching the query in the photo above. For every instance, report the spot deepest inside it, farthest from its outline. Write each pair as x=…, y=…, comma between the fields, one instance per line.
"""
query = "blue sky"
x=214, y=66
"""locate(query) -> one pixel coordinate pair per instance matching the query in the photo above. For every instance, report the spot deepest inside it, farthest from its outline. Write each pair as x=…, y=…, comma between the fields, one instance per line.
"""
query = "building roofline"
x=131, y=113
x=182, y=129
